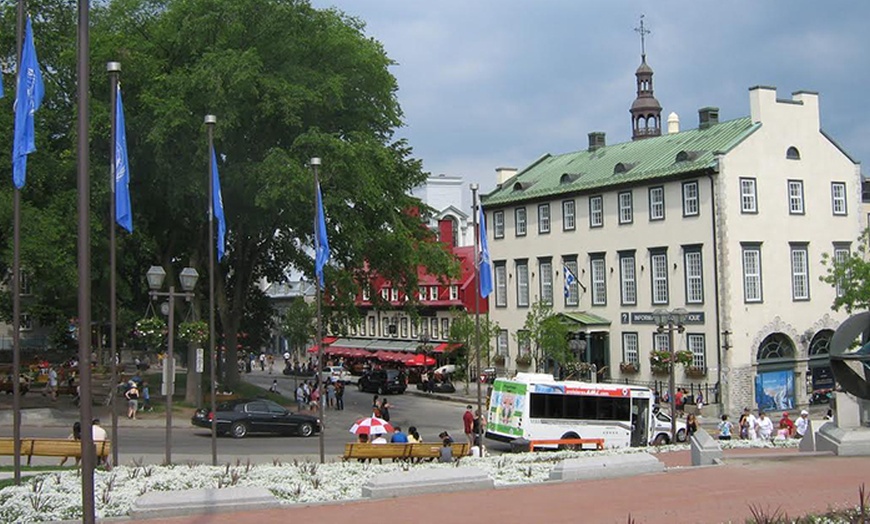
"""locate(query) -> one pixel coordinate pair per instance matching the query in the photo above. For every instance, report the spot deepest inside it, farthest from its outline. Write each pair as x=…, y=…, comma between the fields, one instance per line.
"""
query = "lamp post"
x=210, y=122
x=477, y=242
x=315, y=164
x=670, y=321
x=188, y=278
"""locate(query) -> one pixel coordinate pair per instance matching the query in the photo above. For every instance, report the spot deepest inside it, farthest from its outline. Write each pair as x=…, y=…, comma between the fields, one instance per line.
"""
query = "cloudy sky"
x=486, y=83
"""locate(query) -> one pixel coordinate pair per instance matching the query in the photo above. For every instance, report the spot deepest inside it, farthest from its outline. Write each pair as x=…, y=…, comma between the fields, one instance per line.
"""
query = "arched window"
x=821, y=343
x=775, y=346
x=792, y=153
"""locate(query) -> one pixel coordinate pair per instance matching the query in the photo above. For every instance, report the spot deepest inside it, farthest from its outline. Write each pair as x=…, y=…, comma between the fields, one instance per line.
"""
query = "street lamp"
x=670, y=321
x=156, y=275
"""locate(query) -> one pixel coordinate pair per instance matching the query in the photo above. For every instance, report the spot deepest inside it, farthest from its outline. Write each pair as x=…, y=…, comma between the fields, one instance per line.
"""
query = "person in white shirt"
x=98, y=435
x=380, y=439
x=752, y=421
x=765, y=426
x=802, y=424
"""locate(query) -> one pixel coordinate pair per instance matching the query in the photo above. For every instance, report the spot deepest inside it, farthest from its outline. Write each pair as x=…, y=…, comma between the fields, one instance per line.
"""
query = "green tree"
x=546, y=336
x=298, y=326
x=287, y=83
x=849, y=275
x=463, y=330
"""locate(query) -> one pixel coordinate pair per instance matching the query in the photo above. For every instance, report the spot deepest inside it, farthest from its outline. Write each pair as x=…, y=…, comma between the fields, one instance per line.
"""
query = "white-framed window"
x=573, y=297
x=373, y=323
x=659, y=276
x=543, y=219
x=626, y=208
x=354, y=329
x=433, y=328
x=752, y=290
x=522, y=283
x=795, y=197
x=498, y=224
x=362, y=327
x=800, y=272
x=385, y=327
x=524, y=343
x=366, y=293
x=394, y=294
x=569, y=215
x=501, y=343
x=433, y=292
x=748, y=196
x=596, y=211
x=385, y=293
x=599, y=282
x=445, y=328
x=691, y=206
x=422, y=292
x=657, y=203
x=838, y=198
x=661, y=342
x=841, y=255
x=694, y=270
x=627, y=279
x=403, y=325
x=696, y=343
x=520, y=221
x=25, y=322
x=630, y=348
x=500, y=285
x=415, y=328
x=454, y=292
x=545, y=268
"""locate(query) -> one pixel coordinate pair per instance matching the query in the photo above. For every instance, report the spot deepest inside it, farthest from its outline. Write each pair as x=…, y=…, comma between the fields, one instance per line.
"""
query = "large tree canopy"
x=287, y=82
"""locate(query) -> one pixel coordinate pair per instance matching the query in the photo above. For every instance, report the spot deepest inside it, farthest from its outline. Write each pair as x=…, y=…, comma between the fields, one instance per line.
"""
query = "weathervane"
x=642, y=32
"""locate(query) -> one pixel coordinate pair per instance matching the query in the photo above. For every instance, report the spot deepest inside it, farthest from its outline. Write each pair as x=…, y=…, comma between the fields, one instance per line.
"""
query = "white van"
x=662, y=428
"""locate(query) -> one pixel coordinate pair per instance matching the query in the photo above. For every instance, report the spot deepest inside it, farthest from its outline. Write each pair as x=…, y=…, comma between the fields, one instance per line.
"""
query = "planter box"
x=629, y=367
x=660, y=370
x=696, y=372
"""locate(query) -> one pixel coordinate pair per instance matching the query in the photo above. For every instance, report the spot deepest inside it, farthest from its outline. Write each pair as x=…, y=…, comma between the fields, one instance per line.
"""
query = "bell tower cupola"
x=646, y=112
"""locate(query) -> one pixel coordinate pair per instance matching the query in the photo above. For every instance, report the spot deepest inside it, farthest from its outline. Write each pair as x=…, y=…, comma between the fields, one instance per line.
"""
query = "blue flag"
x=321, y=242
x=28, y=98
x=217, y=203
x=485, y=263
x=123, y=213
x=570, y=279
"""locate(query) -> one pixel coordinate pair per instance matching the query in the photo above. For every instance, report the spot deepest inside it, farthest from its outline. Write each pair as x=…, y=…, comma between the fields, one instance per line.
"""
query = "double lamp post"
x=670, y=321
x=156, y=275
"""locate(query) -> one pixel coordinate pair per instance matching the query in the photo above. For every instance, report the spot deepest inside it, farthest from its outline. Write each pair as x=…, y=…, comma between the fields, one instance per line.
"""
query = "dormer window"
x=682, y=156
x=686, y=156
x=792, y=153
x=622, y=167
x=519, y=186
x=568, y=178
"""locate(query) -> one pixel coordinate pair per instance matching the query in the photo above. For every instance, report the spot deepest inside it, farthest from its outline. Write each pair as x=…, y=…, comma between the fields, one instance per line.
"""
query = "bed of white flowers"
x=57, y=495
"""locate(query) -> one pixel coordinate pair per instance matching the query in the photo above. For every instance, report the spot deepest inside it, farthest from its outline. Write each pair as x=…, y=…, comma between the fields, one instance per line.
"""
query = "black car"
x=242, y=416
x=383, y=381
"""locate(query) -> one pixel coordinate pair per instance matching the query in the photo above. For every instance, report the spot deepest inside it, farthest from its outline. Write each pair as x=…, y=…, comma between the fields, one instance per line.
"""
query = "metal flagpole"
x=475, y=207
x=315, y=163
x=210, y=121
x=84, y=264
x=113, y=68
x=16, y=292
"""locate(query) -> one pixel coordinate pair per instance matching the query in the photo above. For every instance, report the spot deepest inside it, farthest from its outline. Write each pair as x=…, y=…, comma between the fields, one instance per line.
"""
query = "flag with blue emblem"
x=28, y=98
x=321, y=242
x=123, y=212
x=485, y=270
x=570, y=279
x=217, y=203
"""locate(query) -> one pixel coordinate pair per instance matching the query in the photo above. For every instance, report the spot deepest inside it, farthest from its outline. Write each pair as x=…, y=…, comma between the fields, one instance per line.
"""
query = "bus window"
x=573, y=407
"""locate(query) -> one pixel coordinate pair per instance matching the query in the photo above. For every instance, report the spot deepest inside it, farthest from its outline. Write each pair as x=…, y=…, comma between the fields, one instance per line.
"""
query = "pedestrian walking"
x=339, y=396
x=330, y=394
x=468, y=424
x=132, y=396
x=146, y=397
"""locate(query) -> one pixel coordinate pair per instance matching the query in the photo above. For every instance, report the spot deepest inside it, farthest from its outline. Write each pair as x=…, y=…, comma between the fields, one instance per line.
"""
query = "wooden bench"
x=368, y=451
x=581, y=442
x=432, y=450
x=52, y=447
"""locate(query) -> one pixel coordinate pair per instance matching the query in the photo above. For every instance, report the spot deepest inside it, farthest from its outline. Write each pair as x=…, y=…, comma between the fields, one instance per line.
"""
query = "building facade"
x=728, y=221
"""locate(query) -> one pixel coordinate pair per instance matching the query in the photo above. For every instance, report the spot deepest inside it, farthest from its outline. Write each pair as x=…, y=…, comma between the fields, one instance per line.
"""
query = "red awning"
x=418, y=360
x=445, y=347
x=326, y=341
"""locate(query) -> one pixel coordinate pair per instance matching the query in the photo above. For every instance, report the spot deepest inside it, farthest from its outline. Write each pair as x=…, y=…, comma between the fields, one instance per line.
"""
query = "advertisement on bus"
x=506, y=408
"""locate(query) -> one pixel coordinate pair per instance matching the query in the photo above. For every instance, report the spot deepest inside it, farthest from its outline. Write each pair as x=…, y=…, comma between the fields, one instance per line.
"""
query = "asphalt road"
x=145, y=442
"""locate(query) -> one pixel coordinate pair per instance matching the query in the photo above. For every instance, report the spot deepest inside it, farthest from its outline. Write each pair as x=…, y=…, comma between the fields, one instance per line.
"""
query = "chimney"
x=673, y=124
x=708, y=116
x=596, y=140
x=502, y=174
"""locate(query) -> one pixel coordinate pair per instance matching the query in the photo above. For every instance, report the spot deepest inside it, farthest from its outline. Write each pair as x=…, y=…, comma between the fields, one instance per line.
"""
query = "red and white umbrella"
x=371, y=426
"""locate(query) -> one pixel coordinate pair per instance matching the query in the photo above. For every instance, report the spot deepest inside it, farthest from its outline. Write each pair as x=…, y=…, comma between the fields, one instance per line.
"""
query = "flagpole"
x=210, y=121
x=84, y=263
x=318, y=206
x=475, y=207
x=16, y=282
x=114, y=68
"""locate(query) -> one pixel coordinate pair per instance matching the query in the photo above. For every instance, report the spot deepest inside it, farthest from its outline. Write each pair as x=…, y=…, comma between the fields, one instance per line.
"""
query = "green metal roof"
x=587, y=319
x=630, y=162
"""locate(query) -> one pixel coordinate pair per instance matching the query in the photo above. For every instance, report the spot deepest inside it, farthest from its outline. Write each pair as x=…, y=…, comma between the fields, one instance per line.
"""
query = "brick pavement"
x=796, y=484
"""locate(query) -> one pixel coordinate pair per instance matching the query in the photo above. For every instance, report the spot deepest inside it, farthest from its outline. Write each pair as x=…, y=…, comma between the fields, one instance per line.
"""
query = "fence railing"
x=709, y=390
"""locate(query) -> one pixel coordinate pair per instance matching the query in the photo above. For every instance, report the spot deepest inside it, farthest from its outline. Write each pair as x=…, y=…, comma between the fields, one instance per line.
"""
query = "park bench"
x=575, y=443
x=368, y=451
x=52, y=447
x=423, y=450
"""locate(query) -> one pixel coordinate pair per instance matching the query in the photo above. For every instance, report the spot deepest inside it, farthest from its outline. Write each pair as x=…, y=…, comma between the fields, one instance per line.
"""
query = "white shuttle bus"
x=535, y=406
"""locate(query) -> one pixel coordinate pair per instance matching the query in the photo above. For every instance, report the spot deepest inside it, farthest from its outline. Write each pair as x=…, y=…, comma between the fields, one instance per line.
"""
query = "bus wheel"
x=572, y=447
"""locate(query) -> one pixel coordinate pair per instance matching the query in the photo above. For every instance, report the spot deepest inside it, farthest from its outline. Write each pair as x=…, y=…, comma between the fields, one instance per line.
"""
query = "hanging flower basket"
x=524, y=360
x=193, y=332
x=150, y=331
x=629, y=367
x=684, y=357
